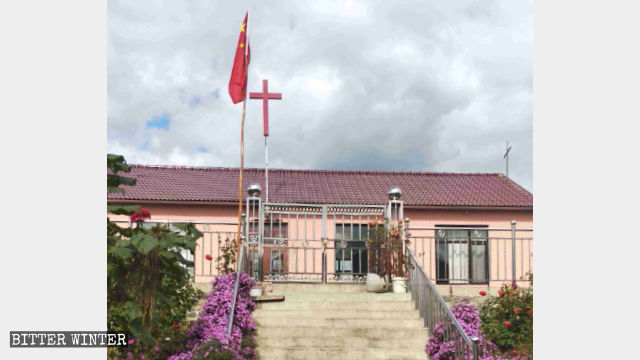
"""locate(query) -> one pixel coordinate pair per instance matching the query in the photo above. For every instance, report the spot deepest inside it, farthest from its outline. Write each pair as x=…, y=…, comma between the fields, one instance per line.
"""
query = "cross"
x=265, y=95
x=506, y=156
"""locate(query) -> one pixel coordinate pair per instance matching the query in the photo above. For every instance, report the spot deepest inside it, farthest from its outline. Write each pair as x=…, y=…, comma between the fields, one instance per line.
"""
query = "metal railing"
x=473, y=255
x=215, y=234
x=434, y=310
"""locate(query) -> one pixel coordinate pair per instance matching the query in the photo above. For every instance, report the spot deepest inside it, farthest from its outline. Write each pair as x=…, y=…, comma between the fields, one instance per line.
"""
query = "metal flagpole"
x=266, y=170
x=244, y=107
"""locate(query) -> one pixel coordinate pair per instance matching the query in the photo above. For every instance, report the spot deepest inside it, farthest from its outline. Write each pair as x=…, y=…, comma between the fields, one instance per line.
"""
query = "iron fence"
x=215, y=235
x=309, y=242
x=473, y=255
x=435, y=311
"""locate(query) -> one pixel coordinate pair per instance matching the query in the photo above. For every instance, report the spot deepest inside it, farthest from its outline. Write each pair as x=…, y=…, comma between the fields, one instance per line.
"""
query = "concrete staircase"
x=339, y=322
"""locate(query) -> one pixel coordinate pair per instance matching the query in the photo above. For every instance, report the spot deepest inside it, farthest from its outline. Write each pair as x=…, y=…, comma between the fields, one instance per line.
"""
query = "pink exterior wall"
x=304, y=245
x=423, y=244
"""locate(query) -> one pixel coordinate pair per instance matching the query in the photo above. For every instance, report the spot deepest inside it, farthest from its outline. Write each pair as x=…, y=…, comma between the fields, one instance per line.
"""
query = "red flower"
x=140, y=215
x=208, y=257
x=500, y=293
x=530, y=312
x=517, y=310
x=513, y=285
x=506, y=324
x=409, y=234
x=174, y=325
x=482, y=292
x=399, y=222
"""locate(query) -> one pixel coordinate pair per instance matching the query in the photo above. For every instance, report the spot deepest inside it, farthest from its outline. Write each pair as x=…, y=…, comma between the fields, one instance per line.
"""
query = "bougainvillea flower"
x=174, y=325
x=506, y=324
x=500, y=293
x=208, y=257
x=482, y=293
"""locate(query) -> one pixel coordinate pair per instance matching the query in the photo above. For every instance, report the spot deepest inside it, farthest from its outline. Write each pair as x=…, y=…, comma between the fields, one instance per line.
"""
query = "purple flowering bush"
x=206, y=338
x=439, y=348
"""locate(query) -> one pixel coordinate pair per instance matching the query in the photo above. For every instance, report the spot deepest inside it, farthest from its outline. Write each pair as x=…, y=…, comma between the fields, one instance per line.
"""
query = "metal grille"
x=473, y=255
x=311, y=242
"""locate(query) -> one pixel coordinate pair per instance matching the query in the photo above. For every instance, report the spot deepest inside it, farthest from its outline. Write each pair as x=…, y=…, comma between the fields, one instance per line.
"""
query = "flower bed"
x=206, y=338
x=504, y=327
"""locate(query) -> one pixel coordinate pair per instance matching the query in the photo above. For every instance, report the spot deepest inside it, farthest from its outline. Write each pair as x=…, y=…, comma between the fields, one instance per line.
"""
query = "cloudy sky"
x=375, y=85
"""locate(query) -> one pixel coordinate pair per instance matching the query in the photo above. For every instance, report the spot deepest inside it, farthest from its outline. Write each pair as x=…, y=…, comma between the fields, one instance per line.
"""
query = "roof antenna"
x=506, y=156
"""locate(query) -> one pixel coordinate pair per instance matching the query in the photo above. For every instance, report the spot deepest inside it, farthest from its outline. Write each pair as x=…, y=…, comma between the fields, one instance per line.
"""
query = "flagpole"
x=266, y=170
x=244, y=107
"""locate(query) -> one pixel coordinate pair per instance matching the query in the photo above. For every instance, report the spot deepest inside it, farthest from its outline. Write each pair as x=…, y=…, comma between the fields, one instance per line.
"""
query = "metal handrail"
x=434, y=310
x=240, y=268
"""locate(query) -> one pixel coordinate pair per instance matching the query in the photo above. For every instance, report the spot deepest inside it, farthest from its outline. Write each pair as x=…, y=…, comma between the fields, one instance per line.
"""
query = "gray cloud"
x=366, y=85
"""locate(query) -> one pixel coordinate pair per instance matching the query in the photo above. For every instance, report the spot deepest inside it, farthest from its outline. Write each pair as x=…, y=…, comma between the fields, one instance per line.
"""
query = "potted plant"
x=386, y=258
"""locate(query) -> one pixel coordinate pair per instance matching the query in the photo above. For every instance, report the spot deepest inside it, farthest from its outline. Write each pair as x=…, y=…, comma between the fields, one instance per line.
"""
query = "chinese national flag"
x=238, y=82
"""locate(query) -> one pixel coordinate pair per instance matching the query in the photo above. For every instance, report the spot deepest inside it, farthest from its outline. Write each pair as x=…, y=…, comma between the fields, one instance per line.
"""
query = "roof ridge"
x=213, y=168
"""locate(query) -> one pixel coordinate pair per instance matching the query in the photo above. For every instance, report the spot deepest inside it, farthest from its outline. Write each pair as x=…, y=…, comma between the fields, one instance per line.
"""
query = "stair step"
x=327, y=331
x=389, y=313
x=318, y=288
x=344, y=323
x=342, y=305
x=268, y=353
x=343, y=297
x=341, y=342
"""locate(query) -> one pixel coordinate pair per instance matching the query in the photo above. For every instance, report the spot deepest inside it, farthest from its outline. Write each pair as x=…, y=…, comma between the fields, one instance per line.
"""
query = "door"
x=351, y=249
x=461, y=256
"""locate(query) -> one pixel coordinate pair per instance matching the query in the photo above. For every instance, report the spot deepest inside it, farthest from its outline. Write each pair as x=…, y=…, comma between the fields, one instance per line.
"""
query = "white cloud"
x=366, y=85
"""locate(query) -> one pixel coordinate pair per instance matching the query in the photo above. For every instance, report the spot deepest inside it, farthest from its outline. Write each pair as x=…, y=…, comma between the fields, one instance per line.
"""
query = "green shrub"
x=507, y=320
x=149, y=291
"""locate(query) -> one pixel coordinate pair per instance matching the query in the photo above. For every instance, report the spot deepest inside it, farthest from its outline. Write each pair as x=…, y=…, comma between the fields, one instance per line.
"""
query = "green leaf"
x=143, y=242
x=123, y=253
x=135, y=326
x=122, y=210
x=168, y=254
x=117, y=163
x=169, y=240
x=163, y=299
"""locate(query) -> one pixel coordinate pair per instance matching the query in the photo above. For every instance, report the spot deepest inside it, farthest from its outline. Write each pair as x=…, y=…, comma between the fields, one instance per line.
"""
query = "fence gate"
x=310, y=242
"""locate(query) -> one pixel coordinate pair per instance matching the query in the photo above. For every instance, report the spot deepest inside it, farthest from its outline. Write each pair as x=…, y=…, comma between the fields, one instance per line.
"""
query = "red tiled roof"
x=209, y=184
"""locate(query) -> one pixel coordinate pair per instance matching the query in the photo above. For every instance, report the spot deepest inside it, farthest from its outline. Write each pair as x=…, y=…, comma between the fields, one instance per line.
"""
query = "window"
x=351, y=248
x=462, y=256
x=274, y=240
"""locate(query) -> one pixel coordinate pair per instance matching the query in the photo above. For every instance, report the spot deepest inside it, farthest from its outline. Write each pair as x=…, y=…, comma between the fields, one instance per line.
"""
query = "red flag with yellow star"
x=238, y=82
